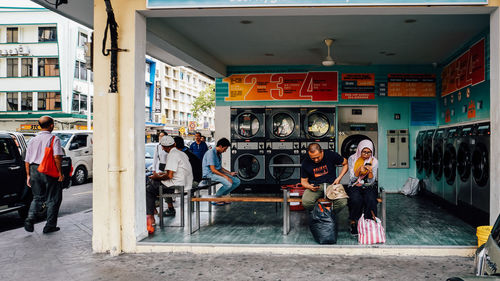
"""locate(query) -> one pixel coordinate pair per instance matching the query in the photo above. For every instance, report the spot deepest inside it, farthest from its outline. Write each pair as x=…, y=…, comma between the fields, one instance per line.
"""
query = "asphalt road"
x=75, y=199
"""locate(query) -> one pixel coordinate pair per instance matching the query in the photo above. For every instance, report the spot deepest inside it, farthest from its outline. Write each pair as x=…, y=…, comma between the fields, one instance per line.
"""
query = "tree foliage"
x=205, y=101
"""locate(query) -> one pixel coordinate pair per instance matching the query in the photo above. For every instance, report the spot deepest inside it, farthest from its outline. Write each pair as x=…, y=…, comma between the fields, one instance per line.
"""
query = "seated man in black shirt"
x=319, y=168
x=193, y=160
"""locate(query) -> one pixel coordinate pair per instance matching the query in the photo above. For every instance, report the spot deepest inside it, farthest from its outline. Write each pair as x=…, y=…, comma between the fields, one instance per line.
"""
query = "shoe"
x=354, y=228
x=169, y=212
x=49, y=229
x=218, y=203
x=28, y=226
x=150, y=222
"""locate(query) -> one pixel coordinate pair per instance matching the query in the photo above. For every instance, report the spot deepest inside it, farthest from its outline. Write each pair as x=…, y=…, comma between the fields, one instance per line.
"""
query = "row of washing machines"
x=453, y=163
x=268, y=144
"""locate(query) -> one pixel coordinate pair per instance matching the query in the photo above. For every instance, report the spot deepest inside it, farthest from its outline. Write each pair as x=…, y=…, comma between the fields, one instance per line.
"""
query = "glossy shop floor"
x=410, y=221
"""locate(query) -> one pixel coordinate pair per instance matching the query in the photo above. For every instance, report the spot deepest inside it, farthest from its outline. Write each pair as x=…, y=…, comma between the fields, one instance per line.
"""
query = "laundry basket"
x=482, y=234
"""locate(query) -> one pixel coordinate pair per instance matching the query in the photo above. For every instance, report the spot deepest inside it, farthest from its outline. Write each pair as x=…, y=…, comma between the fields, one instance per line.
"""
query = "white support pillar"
x=494, y=114
x=119, y=212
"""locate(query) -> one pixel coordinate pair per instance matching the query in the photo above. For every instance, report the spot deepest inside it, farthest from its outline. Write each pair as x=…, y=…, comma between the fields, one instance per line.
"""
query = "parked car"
x=28, y=136
x=14, y=193
x=78, y=146
x=20, y=141
x=149, y=151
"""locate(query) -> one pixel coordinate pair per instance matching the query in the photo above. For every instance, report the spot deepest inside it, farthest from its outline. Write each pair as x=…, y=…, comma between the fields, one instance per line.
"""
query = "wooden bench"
x=285, y=201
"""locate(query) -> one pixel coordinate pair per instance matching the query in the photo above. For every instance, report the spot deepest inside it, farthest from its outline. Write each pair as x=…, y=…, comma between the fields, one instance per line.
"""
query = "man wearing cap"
x=45, y=188
x=178, y=172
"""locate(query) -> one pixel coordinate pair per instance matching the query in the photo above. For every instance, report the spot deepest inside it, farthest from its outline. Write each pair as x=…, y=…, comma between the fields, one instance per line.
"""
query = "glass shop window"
x=49, y=101
x=12, y=35
x=48, y=67
x=47, y=34
x=27, y=67
x=27, y=101
x=12, y=67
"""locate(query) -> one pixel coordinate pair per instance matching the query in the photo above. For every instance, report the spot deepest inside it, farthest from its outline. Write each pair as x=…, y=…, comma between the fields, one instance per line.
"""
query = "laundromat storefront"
x=387, y=67
x=272, y=112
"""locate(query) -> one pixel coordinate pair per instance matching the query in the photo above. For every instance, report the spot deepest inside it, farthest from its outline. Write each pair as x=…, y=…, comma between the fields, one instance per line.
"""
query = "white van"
x=78, y=145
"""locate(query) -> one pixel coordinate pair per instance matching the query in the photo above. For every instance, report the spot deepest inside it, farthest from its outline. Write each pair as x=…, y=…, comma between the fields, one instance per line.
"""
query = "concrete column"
x=119, y=218
x=494, y=114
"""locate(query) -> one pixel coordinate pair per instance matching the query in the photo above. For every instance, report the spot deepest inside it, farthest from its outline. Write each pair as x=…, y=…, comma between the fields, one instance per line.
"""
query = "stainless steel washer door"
x=317, y=125
x=450, y=164
x=283, y=125
x=250, y=167
x=284, y=173
x=247, y=125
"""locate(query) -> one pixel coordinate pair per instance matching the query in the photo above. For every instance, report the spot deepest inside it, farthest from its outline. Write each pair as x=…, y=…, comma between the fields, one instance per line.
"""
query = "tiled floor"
x=410, y=221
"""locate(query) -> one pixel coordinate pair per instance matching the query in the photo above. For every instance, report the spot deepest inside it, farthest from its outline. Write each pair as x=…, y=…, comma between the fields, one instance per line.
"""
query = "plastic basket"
x=482, y=234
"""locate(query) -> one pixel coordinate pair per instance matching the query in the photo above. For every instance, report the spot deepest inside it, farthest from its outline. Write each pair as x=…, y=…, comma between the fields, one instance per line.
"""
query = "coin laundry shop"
x=392, y=69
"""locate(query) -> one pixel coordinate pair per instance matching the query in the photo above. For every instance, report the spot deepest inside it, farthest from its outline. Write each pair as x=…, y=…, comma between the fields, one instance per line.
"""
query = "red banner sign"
x=466, y=70
x=314, y=86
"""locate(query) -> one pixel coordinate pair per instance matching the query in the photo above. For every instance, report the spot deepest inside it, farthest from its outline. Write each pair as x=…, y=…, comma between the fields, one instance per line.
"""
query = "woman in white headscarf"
x=362, y=189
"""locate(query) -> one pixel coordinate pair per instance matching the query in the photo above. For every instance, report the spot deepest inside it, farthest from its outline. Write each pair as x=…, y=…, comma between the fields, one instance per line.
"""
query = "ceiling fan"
x=328, y=61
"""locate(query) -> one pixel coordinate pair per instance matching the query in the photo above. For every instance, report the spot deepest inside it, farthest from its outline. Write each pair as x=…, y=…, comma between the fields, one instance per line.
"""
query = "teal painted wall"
x=391, y=179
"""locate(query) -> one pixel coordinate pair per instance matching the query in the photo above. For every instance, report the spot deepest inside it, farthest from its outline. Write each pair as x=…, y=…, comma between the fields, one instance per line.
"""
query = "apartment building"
x=170, y=92
x=42, y=68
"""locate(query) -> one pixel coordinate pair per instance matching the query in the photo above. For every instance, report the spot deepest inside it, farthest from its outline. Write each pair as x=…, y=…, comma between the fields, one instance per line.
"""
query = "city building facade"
x=43, y=69
x=169, y=94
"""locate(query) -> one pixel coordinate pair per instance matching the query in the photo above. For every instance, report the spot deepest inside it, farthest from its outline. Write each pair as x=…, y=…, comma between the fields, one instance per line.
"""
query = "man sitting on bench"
x=318, y=168
x=212, y=168
x=178, y=172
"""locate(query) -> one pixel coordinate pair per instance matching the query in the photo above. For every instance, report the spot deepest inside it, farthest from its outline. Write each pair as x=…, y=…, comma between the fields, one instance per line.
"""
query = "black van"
x=15, y=195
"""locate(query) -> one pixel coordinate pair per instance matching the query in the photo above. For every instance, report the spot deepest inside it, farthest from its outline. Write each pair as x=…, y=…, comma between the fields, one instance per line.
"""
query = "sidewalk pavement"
x=67, y=255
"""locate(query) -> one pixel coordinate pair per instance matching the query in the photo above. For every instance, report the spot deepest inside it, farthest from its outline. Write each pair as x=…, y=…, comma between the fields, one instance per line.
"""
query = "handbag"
x=370, y=231
x=323, y=225
x=335, y=191
x=48, y=165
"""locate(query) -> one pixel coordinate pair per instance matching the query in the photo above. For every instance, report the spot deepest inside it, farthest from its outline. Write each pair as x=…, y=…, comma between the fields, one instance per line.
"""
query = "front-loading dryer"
x=283, y=124
x=419, y=154
x=283, y=162
x=480, y=182
x=426, y=183
x=318, y=124
x=450, y=165
x=464, y=159
x=437, y=162
x=248, y=124
x=249, y=161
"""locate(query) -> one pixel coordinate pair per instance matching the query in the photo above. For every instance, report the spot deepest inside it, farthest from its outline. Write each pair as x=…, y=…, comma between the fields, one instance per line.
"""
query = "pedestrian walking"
x=45, y=188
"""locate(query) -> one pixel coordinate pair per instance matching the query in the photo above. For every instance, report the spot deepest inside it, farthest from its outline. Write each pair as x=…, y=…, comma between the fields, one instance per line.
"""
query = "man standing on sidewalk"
x=44, y=187
x=198, y=147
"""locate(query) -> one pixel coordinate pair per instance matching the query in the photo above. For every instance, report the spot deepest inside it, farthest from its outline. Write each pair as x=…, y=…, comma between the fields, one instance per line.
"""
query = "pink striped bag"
x=370, y=231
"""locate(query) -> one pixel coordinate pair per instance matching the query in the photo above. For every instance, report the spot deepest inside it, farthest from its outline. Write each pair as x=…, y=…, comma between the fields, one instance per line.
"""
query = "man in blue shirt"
x=198, y=147
x=212, y=168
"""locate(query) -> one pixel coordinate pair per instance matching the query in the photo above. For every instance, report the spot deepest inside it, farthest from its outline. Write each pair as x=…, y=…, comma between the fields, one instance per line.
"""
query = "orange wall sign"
x=411, y=85
x=313, y=86
x=466, y=70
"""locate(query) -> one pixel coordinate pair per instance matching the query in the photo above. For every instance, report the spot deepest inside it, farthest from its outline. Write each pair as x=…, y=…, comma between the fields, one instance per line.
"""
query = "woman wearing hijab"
x=362, y=190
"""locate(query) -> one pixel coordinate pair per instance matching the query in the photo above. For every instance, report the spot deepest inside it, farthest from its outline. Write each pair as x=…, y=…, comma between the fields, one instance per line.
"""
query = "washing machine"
x=354, y=125
x=283, y=124
x=437, y=162
x=426, y=182
x=480, y=181
x=248, y=124
x=283, y=162
x=248, y=159
x=450, y=165
x=464, y=146
x=419, y=154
